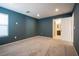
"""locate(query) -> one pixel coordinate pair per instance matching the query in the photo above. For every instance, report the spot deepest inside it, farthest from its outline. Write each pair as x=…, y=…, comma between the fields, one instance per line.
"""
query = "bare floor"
x=38, y=46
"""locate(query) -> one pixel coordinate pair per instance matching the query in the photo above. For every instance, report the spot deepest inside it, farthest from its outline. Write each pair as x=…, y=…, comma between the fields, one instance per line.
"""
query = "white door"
x=67, y=29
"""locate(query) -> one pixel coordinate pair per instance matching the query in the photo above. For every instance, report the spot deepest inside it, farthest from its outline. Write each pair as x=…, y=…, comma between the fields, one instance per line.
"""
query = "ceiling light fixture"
x=38, y=15
x=56, y=9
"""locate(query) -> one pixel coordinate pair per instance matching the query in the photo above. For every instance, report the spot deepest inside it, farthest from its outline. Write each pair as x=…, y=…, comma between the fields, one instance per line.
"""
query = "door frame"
x=53, y=28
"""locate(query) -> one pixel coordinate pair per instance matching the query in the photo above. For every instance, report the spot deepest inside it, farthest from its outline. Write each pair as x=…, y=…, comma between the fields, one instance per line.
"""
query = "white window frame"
x=5, y=35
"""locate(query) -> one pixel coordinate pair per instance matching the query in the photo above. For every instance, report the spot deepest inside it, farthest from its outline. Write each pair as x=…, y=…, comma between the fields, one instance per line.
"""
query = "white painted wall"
x=67, y=25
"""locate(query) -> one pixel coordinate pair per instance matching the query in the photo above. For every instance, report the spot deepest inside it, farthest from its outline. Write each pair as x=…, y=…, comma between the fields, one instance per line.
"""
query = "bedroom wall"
x=76, y=27
x=30, y=27
x=45, y=27
x=26, y=26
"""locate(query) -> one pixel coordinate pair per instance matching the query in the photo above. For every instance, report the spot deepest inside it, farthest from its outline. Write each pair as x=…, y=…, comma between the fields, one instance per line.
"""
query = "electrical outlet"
x=16, y=23
x=15, y=37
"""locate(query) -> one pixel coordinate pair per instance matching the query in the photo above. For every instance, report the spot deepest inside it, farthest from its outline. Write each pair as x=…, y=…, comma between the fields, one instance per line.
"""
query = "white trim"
x=7, y=24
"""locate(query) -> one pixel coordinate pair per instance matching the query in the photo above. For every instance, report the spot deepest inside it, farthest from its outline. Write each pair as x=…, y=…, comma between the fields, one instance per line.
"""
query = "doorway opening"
x=57, y=29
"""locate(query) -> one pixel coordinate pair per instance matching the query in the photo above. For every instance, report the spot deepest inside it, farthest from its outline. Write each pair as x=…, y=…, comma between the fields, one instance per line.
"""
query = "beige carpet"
x=38, y=46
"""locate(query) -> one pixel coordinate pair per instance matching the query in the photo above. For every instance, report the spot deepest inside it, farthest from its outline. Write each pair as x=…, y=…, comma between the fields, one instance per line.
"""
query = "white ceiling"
x=43, y=9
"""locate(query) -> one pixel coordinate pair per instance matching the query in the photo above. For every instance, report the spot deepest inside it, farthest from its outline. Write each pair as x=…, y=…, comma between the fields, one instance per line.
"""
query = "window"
x=3, y=25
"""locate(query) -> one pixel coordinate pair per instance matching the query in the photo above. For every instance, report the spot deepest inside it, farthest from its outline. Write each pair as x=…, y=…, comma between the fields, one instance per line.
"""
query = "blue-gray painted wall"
x=26, y=26
x=76, y=30
x=30, y=26
x=45, y=27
